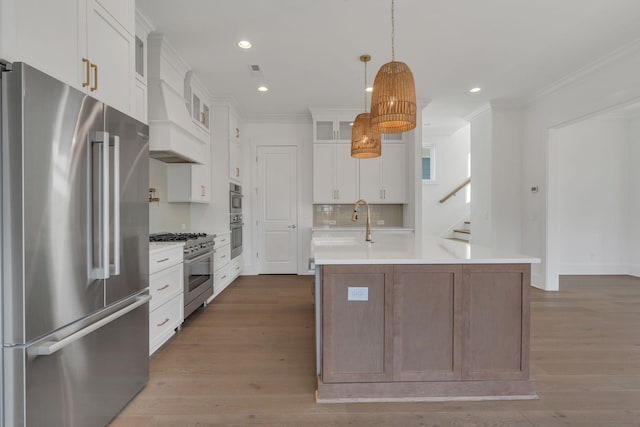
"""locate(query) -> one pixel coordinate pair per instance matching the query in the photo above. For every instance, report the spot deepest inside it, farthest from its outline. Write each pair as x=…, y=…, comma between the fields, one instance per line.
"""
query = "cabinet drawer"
x=164, y=285
x=159, y=260
x=236, y=267
x=222, y=239
x=164, y=320
x=221, y=256
x=221, y=279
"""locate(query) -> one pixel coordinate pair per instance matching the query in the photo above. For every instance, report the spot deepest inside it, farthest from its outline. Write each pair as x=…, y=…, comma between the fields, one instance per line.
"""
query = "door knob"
x=291, y=226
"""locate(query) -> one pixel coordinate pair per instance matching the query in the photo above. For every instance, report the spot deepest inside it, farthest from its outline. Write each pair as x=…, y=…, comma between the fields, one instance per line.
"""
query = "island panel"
x=357, y=334
x=427, y=323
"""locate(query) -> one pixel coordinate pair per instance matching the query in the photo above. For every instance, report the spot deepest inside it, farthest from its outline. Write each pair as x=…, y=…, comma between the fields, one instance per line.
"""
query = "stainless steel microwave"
x=235, y=198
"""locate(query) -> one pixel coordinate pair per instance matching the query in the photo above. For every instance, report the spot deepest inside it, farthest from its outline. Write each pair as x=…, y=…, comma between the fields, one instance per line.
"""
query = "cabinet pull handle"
x=237, y=172
x=237, y=133
x=162, y=260
x=163, y=288
x=95, y=78
x=202, y=120
x=224, y=277
x=223, y=256
x=223, y=240
x=87, y=72
x=163, y=323
x=384, y=193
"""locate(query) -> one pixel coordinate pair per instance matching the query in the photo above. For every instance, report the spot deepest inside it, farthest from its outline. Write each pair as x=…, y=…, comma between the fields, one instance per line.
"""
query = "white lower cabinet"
x=226, y=270
x=235, y=267
x=221, y=258
x=166, y=287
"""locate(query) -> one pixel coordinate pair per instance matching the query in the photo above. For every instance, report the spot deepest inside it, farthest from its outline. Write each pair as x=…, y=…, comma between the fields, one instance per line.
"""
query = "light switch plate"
x=357, y=293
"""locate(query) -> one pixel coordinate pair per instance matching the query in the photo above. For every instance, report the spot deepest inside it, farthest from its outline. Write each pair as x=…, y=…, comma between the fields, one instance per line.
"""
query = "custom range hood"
x=173, y=136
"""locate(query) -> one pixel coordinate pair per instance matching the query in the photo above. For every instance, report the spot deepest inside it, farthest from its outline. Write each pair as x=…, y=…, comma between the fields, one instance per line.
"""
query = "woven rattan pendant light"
x=393, y=102
x=365, y=142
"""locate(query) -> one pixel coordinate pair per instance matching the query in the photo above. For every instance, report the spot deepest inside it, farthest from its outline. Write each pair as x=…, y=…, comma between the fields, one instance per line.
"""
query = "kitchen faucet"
x=354, y=217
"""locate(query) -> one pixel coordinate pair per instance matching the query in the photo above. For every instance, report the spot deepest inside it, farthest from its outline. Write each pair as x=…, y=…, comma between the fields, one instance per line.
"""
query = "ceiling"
x=308, y=50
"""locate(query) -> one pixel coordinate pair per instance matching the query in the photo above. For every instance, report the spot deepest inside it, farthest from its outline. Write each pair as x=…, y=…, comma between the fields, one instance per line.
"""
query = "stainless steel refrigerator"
x=75, y=231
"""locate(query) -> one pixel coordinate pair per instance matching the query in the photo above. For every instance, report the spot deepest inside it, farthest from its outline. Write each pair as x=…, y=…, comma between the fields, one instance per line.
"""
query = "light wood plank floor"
x=248, y=359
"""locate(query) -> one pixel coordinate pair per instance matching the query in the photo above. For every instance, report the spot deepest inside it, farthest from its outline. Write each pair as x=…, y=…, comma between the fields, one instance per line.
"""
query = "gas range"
x=194, y=243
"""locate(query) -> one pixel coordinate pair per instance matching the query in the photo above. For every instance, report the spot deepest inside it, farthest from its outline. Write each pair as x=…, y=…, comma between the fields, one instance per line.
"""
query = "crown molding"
x=478, y=112
x=583, y=72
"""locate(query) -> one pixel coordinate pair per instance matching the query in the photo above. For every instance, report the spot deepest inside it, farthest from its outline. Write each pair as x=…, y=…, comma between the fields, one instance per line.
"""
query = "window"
x=428, y=163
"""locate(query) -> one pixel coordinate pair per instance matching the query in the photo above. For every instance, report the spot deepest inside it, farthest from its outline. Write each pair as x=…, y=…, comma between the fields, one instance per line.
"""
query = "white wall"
x=612, y=83
x=481, y=136
x=634, y=194
x=592, y=180
x=451, y=153
x=506, y=197
x=301, y=136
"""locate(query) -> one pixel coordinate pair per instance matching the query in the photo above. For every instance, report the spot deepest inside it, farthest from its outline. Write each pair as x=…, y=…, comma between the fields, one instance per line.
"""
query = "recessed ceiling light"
x=369, y=89
x=475, y=90
x=244, y=44
x=263, y=89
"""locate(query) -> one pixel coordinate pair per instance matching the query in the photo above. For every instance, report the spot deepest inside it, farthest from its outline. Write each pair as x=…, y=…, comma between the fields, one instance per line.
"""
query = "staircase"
x=462, y=233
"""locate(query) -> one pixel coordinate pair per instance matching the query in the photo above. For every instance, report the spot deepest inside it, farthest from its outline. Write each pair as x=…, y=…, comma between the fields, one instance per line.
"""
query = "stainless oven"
x=236, y=224
x=198, y=280
x=235, y=198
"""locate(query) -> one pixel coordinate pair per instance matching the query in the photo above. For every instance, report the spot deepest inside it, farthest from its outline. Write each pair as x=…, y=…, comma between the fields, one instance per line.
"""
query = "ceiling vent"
x=255, y=70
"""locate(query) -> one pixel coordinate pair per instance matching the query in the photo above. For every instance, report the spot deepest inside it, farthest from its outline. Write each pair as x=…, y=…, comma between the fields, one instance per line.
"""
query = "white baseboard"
x=588, y=269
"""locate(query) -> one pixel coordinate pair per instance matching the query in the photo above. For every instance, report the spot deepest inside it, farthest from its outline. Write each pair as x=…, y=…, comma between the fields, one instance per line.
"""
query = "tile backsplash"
x=340, y=215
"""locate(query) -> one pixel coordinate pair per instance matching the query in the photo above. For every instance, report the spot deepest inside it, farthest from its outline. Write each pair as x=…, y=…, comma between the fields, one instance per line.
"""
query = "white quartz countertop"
x=404, y=248
x=161, y=246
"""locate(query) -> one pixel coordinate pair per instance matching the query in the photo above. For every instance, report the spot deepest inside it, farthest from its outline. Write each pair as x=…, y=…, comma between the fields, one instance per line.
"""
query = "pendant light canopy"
x=365, y=142
x=393, y=102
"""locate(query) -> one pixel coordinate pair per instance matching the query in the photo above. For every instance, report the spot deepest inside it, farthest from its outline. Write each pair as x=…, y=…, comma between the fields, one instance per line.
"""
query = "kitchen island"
x=408, y=320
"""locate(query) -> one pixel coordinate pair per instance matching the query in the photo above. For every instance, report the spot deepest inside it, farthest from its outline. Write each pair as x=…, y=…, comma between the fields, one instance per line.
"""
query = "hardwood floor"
x=248, y=359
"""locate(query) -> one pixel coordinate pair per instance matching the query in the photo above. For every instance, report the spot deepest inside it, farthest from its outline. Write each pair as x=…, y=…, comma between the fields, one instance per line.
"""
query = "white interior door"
x=277, y=210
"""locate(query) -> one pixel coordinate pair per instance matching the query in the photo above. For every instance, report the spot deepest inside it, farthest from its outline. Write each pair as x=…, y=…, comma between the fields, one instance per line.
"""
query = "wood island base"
x=423, y=332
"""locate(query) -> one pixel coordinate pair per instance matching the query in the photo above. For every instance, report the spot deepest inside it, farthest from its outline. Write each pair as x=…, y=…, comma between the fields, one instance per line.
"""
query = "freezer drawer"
x=85, y=383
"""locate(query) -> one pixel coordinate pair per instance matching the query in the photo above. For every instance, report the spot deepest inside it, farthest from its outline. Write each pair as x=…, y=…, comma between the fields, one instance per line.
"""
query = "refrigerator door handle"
x=102, y=272
x=49, y=347
x=114, y=269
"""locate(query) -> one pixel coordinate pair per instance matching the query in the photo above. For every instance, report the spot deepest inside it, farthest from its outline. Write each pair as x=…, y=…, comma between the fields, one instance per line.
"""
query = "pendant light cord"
x=393, y=33
x=365, y=86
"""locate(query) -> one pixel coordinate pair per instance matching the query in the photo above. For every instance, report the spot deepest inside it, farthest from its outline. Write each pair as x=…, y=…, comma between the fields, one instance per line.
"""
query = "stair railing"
x=455, y=190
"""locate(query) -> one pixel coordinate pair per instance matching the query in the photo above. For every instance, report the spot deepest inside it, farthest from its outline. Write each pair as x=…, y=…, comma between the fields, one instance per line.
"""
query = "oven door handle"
x=198, y=258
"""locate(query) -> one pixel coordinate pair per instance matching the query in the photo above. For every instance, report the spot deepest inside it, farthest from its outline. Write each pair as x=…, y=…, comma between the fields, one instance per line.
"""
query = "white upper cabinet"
x=335, y=174
x=236, y=171
x=88, y=44
x=333, y=125
x=228, y=136
x=141, y=103
x=384, y=179
x=188, y=183
x=110, y=52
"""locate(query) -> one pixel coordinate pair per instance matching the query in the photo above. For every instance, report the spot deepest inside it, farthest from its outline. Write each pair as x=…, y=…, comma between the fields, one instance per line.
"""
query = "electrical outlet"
x=332, y=222
x=380, y=222
x=183, y=226
x=357, y=293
